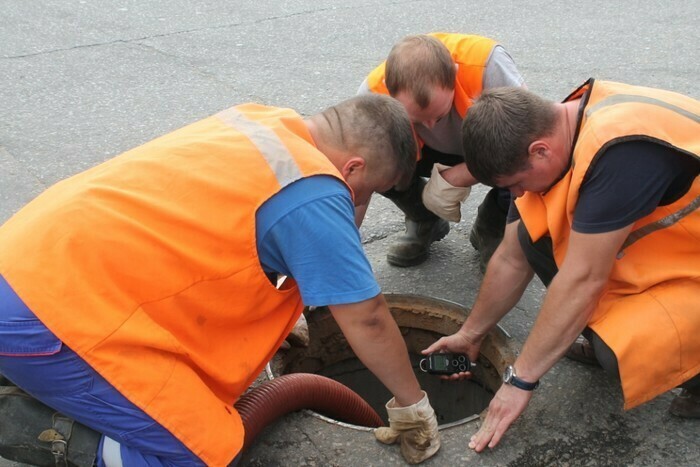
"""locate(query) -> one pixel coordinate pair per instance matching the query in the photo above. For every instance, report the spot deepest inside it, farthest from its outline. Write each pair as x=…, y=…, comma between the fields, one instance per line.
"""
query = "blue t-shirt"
x=307, y=231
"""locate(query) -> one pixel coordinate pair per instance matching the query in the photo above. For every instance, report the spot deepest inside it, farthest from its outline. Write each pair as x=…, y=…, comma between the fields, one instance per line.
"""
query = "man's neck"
x=319, y=129
x=571, y=121
x=563, y=137
x=566, y=127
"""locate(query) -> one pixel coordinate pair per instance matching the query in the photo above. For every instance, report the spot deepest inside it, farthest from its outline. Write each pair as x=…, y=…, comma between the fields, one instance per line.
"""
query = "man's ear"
x=538, y=149
x=352, y=166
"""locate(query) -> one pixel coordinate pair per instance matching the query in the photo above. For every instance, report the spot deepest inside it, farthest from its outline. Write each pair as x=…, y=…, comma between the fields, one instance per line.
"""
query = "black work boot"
x=489, y=225
x=422, y=227
x=686, y=404
x=33, y=433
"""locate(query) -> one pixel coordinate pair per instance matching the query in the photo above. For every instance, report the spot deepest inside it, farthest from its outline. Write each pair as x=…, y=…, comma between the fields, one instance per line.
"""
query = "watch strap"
x=522, y=384
x=511, y=378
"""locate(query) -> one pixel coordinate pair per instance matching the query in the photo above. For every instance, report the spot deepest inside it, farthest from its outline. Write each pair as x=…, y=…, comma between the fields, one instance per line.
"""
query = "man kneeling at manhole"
x=607, y=214
x=141, y=298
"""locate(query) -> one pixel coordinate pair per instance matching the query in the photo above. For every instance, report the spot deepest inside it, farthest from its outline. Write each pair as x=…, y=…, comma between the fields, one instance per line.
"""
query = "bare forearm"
x=459, y=175
x=502, y=288
x=376, y=340
x=566, y=310
x=570, y=300
x=386, y=357
x=507, y=276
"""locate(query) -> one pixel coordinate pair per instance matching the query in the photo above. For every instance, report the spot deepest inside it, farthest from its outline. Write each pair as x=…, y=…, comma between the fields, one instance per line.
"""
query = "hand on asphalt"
x=505, y=407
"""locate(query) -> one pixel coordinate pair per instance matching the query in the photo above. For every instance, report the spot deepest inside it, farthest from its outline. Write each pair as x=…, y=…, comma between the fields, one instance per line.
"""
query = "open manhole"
x=422, y=321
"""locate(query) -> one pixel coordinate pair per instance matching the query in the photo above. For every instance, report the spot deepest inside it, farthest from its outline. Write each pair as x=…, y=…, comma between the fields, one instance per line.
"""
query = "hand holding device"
x=445, y=363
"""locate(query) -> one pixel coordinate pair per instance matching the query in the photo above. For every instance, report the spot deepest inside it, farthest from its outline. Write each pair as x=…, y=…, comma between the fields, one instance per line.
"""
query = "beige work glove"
x=442, y=198
x=416, y=427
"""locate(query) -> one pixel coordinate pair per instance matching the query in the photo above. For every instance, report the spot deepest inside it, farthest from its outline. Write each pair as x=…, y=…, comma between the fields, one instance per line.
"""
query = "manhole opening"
x=452, y=400
x=330, y=355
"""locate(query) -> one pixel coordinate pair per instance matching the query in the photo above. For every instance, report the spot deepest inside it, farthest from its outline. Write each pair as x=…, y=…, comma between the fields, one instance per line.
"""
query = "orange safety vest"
x=147, y=267
x=649, y=313
x=469, y=52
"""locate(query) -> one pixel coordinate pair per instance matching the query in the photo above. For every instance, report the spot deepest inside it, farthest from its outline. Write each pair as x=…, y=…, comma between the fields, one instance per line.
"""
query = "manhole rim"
x=399, y=297
x=463, y=421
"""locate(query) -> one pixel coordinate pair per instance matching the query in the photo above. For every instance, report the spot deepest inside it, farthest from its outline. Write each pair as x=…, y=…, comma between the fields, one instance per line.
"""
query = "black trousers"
x=424, y=167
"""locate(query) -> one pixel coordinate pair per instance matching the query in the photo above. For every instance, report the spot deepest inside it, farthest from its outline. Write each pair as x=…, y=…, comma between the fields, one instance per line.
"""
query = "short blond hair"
x=417, y=64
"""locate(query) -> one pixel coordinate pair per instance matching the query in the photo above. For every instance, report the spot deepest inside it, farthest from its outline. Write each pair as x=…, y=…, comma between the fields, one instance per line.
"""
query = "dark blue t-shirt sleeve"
x=513, y=213
x=307, y=231
x=629, y=181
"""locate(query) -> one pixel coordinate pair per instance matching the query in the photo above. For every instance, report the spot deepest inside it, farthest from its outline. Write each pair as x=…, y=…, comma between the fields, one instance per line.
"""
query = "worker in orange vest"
x=436, y=77
x=607, y=214
x=143, y=296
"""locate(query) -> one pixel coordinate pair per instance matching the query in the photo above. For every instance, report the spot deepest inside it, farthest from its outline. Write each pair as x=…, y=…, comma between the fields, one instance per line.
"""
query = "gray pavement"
x=83, y=81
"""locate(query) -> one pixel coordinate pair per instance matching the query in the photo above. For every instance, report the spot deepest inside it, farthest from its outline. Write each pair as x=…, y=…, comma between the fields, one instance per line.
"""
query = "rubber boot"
x=489, y=225
x=422, y=227
x=32, y=433
x=686, y=404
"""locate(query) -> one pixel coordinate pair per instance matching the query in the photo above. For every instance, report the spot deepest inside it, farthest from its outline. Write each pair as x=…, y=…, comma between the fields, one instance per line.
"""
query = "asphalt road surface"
x=83, y=81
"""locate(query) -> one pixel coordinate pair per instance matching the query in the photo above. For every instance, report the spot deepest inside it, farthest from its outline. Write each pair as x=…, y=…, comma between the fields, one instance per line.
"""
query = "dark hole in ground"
x=452, y=400
x=422, y=321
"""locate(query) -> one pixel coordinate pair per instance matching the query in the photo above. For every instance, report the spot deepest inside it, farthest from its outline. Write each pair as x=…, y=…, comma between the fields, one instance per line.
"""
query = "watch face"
x=508, y=374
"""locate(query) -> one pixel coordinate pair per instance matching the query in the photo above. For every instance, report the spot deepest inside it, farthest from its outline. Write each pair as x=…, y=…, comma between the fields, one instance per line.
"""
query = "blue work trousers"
x=36, y=361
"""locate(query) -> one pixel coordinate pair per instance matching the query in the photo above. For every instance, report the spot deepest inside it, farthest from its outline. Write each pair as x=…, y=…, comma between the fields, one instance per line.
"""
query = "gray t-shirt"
x=445, y=136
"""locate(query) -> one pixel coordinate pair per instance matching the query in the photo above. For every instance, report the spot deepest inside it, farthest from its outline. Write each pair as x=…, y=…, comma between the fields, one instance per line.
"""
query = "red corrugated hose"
x=288, y=393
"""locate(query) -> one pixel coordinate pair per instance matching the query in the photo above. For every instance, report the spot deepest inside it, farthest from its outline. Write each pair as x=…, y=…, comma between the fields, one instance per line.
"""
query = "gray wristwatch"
x=509, y=377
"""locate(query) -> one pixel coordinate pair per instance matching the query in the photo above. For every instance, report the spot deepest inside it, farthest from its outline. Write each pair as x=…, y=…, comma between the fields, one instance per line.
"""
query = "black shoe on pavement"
x=686, y=404
x=33, y=433
x=423, y=227
x=411, y=248
x=582, y=351
x=489, y=225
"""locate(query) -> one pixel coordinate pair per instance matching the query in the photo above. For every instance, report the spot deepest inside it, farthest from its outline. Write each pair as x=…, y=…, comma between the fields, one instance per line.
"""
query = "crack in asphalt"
x=209, y=28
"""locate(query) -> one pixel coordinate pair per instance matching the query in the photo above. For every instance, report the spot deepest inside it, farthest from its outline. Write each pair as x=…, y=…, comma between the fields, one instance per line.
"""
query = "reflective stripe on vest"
x=662, y=223
x=276, y=154
x=147, y=267
x=673, y=218
x=648, y=310
x=627, y=98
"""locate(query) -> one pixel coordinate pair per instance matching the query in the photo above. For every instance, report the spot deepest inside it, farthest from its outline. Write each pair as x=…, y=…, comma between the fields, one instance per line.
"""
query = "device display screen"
x=445, y=363
x=440, y=363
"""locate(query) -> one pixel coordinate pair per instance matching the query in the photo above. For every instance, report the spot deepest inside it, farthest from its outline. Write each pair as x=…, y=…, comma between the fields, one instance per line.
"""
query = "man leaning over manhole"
x=606, y=214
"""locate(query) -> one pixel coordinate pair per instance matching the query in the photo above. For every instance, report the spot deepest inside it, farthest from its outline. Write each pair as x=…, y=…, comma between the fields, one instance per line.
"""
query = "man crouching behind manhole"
x=607, y=215
x=139, y=297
